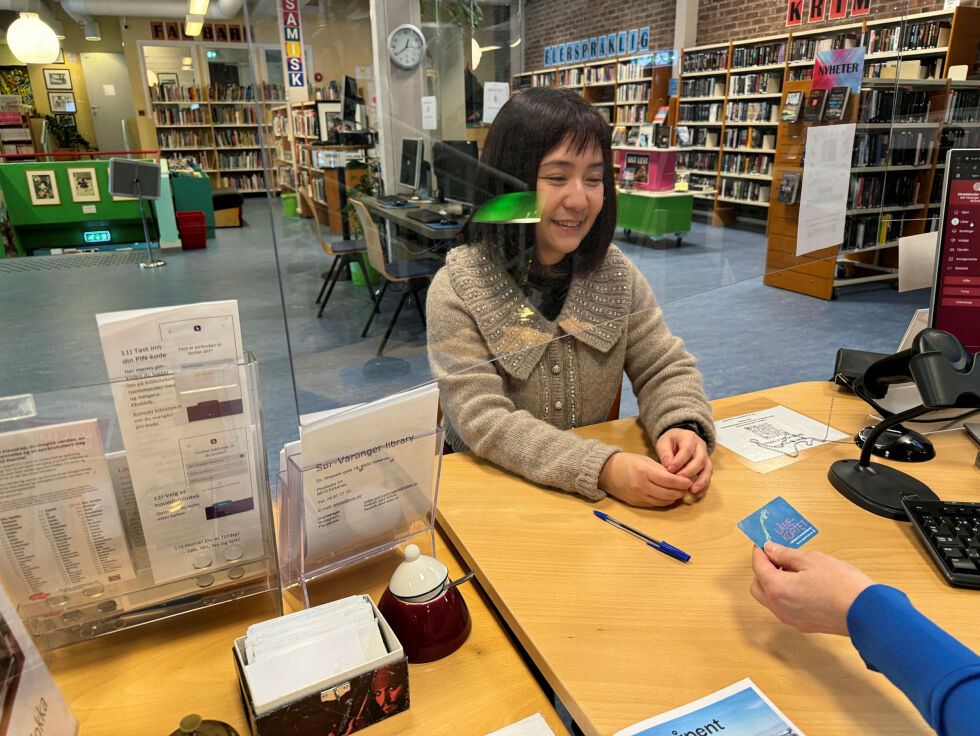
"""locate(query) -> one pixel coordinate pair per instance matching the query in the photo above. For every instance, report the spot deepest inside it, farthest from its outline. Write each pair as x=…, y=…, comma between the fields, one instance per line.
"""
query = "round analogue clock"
x=406, y=46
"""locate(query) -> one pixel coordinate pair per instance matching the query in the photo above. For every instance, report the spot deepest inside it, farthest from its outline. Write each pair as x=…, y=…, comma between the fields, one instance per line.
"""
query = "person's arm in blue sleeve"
x=814, y=592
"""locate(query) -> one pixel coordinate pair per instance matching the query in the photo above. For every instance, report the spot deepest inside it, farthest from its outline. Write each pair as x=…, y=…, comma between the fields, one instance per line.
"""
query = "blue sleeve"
x=938, y=674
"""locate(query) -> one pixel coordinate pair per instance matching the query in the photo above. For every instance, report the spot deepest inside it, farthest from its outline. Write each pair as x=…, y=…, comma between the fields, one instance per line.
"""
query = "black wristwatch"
x=691, y=426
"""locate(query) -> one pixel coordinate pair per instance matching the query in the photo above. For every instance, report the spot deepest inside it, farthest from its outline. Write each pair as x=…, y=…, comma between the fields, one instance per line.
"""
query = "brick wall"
x=549, y=22
x=721, y=20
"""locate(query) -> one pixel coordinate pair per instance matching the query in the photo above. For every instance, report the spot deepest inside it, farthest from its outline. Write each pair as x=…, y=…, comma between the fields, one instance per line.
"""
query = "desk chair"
x=416, y=272
x=343, y=251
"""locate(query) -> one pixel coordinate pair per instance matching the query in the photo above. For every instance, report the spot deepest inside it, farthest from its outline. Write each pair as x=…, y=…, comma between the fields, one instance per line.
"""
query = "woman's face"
x=570, y=192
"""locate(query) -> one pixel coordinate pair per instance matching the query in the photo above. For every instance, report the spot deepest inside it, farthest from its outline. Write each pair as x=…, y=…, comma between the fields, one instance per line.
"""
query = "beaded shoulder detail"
x=594, y=312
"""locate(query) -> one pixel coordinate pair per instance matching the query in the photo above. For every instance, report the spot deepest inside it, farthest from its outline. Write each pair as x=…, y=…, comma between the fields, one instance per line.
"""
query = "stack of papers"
x=289, y=657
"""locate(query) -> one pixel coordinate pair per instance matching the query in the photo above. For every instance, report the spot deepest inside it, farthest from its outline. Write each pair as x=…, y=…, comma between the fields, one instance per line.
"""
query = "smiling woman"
x=531, y=328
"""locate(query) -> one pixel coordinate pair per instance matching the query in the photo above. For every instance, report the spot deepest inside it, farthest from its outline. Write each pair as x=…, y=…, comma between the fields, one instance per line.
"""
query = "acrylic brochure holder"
x=98, y=537
x=336, y=514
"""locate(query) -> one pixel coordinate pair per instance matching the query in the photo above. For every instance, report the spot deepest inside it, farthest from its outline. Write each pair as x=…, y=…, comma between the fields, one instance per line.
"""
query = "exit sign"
x=97, y=236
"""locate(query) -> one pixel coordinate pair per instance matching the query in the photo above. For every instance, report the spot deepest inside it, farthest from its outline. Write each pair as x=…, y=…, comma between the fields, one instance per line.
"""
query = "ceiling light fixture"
x=193, y=25
x=32, y=41
x=59, y=29
x=197, y=7
x=186, y=61
x=92, y=31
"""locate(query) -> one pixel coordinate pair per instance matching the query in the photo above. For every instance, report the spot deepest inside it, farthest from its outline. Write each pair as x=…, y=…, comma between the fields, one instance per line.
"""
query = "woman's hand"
x=810, y=591
x=682, y=452
x=641, y=481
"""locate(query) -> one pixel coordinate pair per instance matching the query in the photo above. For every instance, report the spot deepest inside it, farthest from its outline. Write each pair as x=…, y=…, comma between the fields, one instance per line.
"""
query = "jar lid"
x=418, y=576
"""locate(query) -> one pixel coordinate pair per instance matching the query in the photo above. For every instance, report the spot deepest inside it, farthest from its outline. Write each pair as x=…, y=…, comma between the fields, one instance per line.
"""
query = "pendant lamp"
x=32, y=41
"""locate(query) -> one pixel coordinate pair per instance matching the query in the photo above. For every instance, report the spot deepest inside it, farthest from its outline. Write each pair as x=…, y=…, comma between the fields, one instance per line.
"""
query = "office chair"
x=416, y=272
x=344, y=252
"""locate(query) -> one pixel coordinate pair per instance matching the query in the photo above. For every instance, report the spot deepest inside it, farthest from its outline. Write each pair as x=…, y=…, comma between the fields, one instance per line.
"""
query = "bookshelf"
x=218, y=128
x=907, y=116
x=15, y=134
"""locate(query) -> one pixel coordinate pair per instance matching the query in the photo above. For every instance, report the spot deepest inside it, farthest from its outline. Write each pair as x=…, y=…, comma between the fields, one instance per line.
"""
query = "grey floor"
x=746, y=336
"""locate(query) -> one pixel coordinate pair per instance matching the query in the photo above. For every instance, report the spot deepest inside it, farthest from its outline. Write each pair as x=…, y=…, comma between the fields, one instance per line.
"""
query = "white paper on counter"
x=776, y=432
x=60, y=530
x=534, y=725
x=917, y=261
x=826, y=179
x=184, y=418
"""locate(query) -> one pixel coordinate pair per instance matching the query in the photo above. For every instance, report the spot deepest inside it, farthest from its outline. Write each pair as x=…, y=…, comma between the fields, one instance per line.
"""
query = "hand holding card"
x=778, y=522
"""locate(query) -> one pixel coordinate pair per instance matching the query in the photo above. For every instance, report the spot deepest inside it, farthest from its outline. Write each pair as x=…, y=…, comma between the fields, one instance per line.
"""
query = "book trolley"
x=237, y=558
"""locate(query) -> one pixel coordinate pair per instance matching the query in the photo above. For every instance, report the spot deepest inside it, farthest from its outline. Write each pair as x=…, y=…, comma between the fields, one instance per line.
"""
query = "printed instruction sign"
x=184, y=415
x=826, y=180
x=495, y=94
x=776, y=432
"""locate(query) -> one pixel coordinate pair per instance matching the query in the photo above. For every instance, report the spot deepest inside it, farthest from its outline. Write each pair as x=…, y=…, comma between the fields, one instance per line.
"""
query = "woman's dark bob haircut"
x=531, y=125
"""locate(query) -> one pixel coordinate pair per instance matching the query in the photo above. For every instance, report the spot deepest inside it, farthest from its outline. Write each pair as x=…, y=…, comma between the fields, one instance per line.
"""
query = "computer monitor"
x=410, y=172
x=350, y=101
x=956, y=285
x=455, y=165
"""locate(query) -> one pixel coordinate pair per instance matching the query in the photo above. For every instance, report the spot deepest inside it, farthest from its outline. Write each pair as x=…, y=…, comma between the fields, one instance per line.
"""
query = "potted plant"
x=66, y=134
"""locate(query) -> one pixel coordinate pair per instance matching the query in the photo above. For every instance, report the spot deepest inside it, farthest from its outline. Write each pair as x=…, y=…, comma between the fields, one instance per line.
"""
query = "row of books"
x=184, y=139
x=704, y=61
x=898, y=148
x=236, y=137
x=799, y=73
x=571, y=77
x=909, y=37
x=179, y=116
x=173, y=93
x=243, y=182
x=751, y=112
x=754, y=84
x=543, y=79
x=745, y=190
x=888, y=105
x=906, y=69
x=230, y=92
x=599, y=74
x=749, y=138
x=250, y=160
x=867, y=231
x=636, y=113
x=233, y=115
x=633, y=92
x=767, y=53
x=746, y=163
x=700, y=182
x=696, y=137
x=635, y=69
x=962, y=106
x=699, y=112
x=821, y=104
x=184, y=160
x=304, y=123
x=703, y=87
x=883, y=190
x=698, y=160
x=957, y=138
x=805, y=49
x=605, y=113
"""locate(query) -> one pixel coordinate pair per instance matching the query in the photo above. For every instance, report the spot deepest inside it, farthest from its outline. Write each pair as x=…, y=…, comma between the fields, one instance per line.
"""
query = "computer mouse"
x=448, y=221
x=899, y=444
x=443, y=211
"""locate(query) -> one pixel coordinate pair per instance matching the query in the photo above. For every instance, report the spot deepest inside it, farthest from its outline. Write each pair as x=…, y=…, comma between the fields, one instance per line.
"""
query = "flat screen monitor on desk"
x=410, y=171
x=349, y=103
x=956, y=288
x=455, y=164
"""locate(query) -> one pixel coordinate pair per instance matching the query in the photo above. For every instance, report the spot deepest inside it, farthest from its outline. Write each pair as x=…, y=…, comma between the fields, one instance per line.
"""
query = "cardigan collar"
x=517, y=334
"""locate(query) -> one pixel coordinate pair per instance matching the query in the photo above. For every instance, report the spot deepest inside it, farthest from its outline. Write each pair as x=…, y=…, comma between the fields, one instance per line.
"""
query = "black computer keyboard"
x=951, y=533
x=426, y=216
x=391, y=200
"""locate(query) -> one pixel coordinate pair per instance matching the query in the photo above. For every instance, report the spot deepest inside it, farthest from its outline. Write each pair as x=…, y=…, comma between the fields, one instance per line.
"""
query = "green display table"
x=193, y=194
x=655, y=213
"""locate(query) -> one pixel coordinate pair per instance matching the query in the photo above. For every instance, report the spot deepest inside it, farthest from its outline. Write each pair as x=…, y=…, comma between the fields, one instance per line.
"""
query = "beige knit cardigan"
x=511, y=381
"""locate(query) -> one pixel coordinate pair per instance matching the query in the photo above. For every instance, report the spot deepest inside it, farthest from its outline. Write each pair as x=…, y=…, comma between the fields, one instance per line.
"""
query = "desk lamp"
x=947, y=377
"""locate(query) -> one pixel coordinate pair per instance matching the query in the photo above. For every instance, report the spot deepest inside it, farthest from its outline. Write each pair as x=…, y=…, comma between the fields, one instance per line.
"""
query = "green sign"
x=97, y=236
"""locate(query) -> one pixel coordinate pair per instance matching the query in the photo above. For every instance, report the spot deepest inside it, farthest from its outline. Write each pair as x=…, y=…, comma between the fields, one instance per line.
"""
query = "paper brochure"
x=737, y=710
x=826, y=179
x=60, y=530
x=369, y=473
x=180, y=392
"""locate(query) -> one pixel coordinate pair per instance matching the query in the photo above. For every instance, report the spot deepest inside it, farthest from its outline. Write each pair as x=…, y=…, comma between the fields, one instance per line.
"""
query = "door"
x=109, y=93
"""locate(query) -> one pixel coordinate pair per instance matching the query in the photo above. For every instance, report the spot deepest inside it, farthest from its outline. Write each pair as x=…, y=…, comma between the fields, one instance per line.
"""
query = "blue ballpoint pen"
x=657, y=544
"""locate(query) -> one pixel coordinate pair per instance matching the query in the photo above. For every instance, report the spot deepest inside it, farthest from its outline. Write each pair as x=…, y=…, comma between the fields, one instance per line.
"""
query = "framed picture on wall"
x=57, y=78
x=61, y=102
x=83, y=184
x=329, y=120
x=42, y=186
x=167, y=79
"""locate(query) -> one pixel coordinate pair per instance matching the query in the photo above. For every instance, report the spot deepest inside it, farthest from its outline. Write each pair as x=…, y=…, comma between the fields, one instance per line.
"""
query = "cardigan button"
x=559, y=405
x=556, y=369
